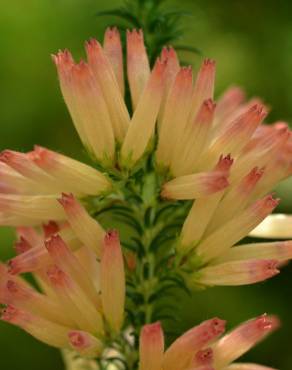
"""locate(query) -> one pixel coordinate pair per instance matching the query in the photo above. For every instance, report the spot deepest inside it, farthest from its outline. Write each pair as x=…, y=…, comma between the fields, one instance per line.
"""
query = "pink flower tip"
x=81, y=70
x=159, y=67
x=9, y=313
x=218, y=326
x=135, y=35
x=56, y=275
x=252, y=178
x=212, y=328
x=6, y=156
x=270, y=268
x=66, y=200
x=209, y=105
x=185, y=72
x=63, y=58
x=152, y=329
x=281, y=126
x=256, y=173
x=222, y=183
x=112, y=32
x=235, y=94
x=283, y=132
x=40, y=151
x=12, y=286
x=92, y=45
x=13, y=267
x=275, y=322
x=261, y=324
x=168, y=53
x=22, y=245
x=78, y=339
x=53, y=242
x=224, y=164
x=259, y=110
x=17, y=290
x=32, y=156
x=112, y=236
x=209, y=63
x=39, y=155
x=270, y=202
x=206, y=111
x=50, y=228
x=204, y=356
x=258, y=107
x=265, y=206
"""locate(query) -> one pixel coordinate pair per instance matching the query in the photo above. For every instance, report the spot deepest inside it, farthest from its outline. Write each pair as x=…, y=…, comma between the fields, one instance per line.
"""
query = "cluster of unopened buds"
x=182, y=178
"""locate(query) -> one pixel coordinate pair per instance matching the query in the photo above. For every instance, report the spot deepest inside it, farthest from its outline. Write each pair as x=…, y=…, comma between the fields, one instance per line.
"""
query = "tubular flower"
x=75, y=308
x=203, y=347
x=186, y=179
x=230, y=197
x=31, y=183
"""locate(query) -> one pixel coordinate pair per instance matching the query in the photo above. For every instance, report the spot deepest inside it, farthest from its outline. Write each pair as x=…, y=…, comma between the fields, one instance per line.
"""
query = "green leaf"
x=179, y=282
x=163, y=210
x=160, y=240
x=129, y=220
x=129, y=246
x=135, y=297
x=188, y=48
x=140, y=245
x=121, y=13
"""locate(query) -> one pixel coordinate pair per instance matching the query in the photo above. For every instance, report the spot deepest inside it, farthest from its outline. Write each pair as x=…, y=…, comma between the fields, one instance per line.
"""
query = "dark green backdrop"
x=252, y=43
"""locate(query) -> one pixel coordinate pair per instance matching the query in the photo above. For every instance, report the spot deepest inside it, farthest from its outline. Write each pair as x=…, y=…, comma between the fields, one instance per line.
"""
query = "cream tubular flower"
x=195, y=186
x=241, y=339
x=181, y=352
x=180, y=111
x=151, y=347
x=104, y=76
x=87, y=107
x=144, y=118
x=138, y=67
x=83, y=230
x=17, y=210
x=175, y=114
x=70, y=175
x=113, y=49
x=84, y=226
x=112, y=277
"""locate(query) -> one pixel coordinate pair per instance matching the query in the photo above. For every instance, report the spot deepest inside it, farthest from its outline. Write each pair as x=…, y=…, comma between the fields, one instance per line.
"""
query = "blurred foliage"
x=252, y=43
x=161, y=25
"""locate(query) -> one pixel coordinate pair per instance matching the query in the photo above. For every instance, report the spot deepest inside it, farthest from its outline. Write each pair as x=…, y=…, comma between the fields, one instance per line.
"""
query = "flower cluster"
x=80, y=300
x=201, y=347
x=187, y=179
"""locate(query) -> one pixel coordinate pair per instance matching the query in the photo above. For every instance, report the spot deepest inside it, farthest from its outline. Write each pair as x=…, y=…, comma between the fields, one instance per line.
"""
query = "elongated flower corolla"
x=112, y=281
x=151, y=347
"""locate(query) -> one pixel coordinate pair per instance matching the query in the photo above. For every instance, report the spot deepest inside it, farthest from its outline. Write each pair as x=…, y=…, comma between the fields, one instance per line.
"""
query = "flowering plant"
x=183, y=179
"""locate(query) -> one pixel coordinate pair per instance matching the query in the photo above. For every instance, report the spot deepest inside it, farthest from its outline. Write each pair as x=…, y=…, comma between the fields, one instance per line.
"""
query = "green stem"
x=137, y=203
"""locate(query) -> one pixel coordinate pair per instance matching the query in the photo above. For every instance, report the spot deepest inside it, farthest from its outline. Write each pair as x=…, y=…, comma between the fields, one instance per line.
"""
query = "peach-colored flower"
x=79, y=301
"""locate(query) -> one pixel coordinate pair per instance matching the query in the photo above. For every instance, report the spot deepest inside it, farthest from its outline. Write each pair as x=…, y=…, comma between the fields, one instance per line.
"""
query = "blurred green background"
x=252, y=43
